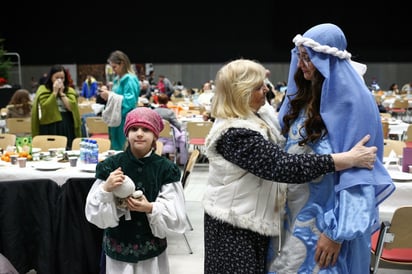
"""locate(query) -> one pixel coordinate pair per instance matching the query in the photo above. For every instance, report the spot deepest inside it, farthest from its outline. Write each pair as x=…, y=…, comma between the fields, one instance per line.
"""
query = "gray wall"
x=194, y=75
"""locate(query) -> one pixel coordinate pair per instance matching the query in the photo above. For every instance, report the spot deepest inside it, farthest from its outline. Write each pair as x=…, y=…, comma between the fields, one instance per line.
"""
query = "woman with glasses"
x=328, y=107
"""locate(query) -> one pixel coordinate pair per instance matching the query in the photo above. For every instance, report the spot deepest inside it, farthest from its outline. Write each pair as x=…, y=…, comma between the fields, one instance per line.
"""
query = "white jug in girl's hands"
x=126, y=189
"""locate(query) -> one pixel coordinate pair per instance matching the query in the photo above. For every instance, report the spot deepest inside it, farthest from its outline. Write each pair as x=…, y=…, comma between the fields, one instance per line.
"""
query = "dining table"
x=43, y=224
x=402, y=194
x=52, y=169
x=42, y=219
x=398, y=128
x=388, y=101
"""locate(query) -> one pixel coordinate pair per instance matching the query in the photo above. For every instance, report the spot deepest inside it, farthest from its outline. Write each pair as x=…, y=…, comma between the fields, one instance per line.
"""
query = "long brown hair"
x=21, y=99
x=308, y=96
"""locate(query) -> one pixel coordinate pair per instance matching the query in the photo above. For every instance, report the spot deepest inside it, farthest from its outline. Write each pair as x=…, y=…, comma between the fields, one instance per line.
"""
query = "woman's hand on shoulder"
x=363, y=156
x=360, y=156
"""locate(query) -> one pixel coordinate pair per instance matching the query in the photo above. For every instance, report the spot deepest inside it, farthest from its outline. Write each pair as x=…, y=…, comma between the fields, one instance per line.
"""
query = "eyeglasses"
x=304, y=58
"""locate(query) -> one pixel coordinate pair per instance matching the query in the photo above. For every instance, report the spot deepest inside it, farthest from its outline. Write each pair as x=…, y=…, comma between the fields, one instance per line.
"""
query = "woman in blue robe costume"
x=330, y=220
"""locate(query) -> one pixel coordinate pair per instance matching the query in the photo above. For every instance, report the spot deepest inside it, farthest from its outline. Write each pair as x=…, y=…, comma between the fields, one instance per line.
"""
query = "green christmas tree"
x=5, y=63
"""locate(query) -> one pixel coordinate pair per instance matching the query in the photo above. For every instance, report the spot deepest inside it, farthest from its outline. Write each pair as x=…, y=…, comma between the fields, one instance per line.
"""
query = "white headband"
x=308, y=42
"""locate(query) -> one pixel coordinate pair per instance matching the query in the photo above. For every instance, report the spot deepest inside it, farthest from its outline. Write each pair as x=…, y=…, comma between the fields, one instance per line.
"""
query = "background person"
x=180, y=136
x=121, y=99
x=20, y=104
x=328, y=107
x=90, y=87
x=394, y=89
x=164, y=85
x=55, y=110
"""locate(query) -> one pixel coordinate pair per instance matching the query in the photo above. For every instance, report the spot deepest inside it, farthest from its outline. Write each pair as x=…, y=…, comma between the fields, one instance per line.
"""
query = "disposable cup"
x=13, y=159
x=22, y=161
x=73, y=161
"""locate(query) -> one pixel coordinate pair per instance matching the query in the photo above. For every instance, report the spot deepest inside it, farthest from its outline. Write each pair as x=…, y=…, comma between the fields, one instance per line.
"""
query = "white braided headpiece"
x=308, y=42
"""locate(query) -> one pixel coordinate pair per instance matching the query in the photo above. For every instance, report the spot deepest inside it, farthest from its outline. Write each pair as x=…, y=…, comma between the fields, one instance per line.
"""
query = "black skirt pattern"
x=232, y=250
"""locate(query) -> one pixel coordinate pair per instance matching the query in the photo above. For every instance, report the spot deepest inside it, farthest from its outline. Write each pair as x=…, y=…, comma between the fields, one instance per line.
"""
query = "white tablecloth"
x=10, y=172
x=401, y=196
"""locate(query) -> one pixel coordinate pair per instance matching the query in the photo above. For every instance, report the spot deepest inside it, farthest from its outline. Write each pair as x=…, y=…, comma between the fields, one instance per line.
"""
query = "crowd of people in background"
x=274, y=150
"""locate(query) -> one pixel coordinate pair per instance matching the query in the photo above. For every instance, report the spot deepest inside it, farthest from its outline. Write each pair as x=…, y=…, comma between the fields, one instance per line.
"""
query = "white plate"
x=35, y=149
x=88, y=168
x=400, y=176
x=47, y=167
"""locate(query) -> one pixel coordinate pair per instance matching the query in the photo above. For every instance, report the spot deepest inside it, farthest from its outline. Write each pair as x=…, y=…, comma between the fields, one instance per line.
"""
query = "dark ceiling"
x=202, y=32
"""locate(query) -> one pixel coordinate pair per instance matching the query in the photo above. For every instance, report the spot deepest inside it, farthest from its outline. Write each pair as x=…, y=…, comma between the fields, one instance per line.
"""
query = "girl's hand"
x=140, y=204
x=115, y=179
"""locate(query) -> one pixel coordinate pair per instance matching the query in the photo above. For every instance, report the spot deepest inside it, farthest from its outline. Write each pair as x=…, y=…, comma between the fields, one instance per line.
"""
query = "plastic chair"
x=7, y=139
x=45, y=142
x=385, y=129
x=159, y=148
x=385, y=115
x=399, y=107
x=395, y=145
x=97, y=127
x=393, y=242
x=408, y=134
x=104, y=144
x=85, y=108
x=168, y=134
x=187, y=170
x=19, y=126
x=196, y=133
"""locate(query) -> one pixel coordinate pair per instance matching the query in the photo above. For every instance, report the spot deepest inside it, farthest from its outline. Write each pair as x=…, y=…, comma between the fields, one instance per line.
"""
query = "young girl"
x=134, y=238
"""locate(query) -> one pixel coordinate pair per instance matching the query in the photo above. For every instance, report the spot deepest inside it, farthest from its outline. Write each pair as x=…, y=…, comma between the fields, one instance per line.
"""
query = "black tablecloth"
x=43, y=227
x=78, y=241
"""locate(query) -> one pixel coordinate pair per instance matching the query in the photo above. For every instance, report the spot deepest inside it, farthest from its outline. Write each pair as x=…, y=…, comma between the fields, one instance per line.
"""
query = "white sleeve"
x=100, y=208
x=169, y=211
